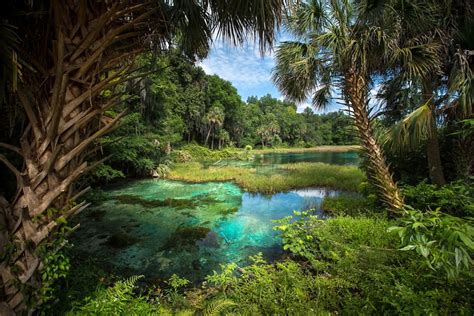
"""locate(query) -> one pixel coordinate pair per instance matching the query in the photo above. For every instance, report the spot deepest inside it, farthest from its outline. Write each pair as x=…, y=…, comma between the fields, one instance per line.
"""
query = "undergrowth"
x=341, y=265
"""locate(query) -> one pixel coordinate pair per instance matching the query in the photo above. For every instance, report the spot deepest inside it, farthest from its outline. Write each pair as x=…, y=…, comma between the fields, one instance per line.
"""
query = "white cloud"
x=241, y=65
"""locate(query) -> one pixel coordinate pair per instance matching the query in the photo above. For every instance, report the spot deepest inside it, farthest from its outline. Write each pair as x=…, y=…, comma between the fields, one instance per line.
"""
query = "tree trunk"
x=433, y=155
x=65, y=111
x=207, y=136
x=378, y=171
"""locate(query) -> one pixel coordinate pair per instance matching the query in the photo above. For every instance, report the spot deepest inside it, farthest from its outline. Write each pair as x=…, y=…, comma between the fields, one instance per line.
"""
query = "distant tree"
x=77, y=54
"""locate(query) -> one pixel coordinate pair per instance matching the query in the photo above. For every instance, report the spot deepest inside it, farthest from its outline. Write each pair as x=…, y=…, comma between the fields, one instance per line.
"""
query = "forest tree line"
x=180, y=104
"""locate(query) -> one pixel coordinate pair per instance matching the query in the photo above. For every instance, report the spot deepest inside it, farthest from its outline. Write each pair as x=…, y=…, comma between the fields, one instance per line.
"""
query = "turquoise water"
x=160, y=227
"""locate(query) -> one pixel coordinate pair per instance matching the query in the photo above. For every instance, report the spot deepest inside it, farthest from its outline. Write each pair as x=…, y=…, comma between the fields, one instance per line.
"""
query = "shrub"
x=117, y=300
x=444, y=241
x=456, y=198
x=351, y=205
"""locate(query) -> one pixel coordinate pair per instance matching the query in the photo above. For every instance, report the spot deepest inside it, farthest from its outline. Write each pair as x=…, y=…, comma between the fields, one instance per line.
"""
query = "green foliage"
x=117, y=300
x=106, y=173
x=358, y=267
x=200, y=153
x=315, y=239
x=176, y=282
x=217, y=307
x=351, y=205
x=173, y=296
x=456, y=198
x=56, y=264
x=444, y=241
x=56, y=267
x=337, y=266
x=224, y=279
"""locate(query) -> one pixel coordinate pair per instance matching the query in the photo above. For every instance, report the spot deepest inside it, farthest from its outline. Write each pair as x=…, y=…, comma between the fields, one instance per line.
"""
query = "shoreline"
x=324, y=148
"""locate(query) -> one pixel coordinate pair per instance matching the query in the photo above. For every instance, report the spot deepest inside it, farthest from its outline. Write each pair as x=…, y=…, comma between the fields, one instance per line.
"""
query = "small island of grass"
x=283, y=178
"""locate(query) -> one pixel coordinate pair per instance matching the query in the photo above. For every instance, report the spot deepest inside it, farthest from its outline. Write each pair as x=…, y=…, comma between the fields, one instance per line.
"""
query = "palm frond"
x=412, y=129
x=295, y=70
x=461, y=83
x=306, y=17
x=9, y=65
x=236, y=20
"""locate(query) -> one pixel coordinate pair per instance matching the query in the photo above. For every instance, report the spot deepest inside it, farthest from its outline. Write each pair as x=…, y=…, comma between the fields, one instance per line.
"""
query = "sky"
x=247, y=70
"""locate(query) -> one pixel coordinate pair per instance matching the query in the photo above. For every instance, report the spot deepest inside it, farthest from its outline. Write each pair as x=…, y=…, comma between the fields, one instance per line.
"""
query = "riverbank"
x=325, y=148
x=196, y=152
x=281, y=178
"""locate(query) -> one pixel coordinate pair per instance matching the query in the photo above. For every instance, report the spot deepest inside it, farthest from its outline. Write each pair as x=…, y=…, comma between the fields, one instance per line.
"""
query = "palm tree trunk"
x=378, y=171
x=65, y=112
x=207, y=136
x=433, y=155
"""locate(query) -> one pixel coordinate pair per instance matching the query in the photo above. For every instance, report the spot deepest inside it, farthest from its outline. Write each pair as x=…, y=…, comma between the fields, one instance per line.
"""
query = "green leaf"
x=466, y=240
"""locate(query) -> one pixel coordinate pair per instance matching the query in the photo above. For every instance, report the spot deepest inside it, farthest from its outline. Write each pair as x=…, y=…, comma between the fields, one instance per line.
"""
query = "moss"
x=186, y=236
x=176, y=203
x=121, y=240
x=229, y=211
x=96, y=215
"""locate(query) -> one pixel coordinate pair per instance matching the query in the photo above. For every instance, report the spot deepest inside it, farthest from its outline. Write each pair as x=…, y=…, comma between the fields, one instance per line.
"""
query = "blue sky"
x=248, y=71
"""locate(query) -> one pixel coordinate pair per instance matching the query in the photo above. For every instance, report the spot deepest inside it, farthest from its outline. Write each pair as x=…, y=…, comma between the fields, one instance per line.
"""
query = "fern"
x=216, y=307
x=117, y=300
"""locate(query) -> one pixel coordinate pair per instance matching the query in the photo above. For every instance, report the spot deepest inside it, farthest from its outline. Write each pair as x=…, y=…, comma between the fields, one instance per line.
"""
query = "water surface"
x=268, y=163
x=160, y=227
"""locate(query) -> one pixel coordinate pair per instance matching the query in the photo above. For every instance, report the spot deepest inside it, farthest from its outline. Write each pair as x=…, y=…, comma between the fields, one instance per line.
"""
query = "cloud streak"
x=246, y=69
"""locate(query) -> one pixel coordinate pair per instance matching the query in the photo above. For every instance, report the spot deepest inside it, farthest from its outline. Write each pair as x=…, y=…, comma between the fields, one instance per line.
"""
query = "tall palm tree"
x=77, y=50
x=443, y=87
x=215, y=119
x=334, y=50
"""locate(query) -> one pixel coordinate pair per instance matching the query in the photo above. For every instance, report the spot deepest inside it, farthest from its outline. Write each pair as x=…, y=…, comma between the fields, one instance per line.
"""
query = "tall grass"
x=283, y=178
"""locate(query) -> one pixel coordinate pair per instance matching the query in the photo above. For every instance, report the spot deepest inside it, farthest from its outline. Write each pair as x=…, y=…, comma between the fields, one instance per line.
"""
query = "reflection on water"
x=335, y=158
x=268, y=163
x=159, y=227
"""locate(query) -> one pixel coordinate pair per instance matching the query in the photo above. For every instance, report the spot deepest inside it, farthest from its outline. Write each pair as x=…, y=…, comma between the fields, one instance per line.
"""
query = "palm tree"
x=334, y=50
x=215, y=119
x=443, y=85
x=83, y=49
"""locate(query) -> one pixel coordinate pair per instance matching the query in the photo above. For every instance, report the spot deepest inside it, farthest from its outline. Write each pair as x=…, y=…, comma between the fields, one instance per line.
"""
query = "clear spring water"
x=160, y=227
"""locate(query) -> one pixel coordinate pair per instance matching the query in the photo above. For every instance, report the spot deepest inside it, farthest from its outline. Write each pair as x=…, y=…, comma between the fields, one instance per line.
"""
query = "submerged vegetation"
x=281, y=178
x=110, y=90
x=338, y=265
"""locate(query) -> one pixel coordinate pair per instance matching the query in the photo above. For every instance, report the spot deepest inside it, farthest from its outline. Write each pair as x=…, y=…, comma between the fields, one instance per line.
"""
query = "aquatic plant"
x=175, y=203
x=283, y=177
x=186, y=236
x=121, y=240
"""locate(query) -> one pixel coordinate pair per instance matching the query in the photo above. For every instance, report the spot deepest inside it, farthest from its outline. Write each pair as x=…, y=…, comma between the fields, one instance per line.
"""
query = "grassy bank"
x=283, y=178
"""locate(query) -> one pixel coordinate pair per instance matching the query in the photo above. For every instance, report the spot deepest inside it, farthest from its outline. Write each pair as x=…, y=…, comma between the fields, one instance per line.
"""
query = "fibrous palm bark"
x=378, y=171
x=336, y=51
x=66, y=113
x=78, y=50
